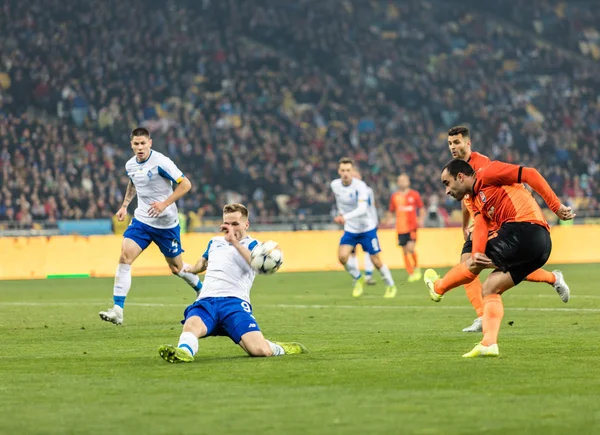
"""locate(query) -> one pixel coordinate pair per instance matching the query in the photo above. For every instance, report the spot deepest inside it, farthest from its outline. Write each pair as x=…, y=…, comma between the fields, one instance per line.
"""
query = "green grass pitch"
x=375, y=366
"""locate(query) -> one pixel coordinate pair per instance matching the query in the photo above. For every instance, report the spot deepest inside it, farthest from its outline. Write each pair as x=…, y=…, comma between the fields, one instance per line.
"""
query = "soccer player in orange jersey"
x=405, y=202
x=459, y=143
x=519, y=244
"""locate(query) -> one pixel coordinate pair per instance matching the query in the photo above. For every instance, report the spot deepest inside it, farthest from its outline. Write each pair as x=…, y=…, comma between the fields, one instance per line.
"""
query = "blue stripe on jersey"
x=205, y=255
x=252, y=245
x=164, y=174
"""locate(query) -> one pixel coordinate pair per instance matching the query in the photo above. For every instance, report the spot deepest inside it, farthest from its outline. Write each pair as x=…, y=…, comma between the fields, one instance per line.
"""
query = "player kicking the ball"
x=459, y=144
x=152, y=176
x=223, y=307
x=519, y=245
x=360, y=228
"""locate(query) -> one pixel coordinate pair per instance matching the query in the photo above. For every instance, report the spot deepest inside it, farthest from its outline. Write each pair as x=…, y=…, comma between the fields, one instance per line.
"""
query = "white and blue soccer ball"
x=266, y=258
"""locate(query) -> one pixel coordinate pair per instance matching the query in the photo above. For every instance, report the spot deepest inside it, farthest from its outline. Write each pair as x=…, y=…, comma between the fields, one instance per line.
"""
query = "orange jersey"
x=477, y=162
x=500, y=197
x=405, y=205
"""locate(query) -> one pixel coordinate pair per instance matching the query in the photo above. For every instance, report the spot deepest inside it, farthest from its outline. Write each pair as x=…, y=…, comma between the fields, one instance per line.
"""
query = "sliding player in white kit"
x=352, y=200
x=152, y=176
x=223, y=307
x=353, y=260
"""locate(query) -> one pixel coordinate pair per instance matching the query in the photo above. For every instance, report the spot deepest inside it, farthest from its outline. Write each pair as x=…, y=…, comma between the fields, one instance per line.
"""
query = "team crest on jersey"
x=482, y=196
x=149, y=174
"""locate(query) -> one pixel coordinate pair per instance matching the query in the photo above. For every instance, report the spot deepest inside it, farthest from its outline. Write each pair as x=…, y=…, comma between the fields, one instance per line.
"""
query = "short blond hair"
x=232, y=208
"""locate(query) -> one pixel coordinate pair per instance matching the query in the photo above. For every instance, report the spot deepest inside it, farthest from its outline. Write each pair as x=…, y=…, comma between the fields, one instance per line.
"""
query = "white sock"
x=188, y=342
x=386, y=274
x=353, y=261
x=122, y=284
x=191, y=278
x=276, y=349
x=352, y=269
x=368, y=265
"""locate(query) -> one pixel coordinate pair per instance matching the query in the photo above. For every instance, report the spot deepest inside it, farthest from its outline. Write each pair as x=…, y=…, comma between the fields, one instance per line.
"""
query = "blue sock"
x=119, y=300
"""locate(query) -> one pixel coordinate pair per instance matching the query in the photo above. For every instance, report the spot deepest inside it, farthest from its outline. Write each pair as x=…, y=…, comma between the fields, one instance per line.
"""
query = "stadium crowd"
x=256, y=101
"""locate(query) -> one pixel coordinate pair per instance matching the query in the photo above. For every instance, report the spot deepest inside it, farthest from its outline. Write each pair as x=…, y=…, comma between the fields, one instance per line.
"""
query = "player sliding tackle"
x=223, y=307
x=360, y=227
x=520, y=245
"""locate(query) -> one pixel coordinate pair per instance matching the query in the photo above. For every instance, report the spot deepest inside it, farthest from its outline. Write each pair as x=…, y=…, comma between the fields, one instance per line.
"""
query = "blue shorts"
x=225, y=316
x=368, y=241
x=167, y=239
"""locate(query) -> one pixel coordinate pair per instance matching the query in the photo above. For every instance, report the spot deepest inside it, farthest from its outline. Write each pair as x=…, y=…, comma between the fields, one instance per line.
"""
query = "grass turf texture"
x=375, y=365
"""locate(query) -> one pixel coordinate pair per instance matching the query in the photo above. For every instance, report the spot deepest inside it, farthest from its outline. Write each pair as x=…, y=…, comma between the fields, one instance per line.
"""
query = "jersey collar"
x=144, y=161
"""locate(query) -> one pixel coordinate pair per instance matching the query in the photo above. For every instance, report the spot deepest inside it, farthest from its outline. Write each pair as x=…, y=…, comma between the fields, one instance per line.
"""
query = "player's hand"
x=121, y=214
x=229, y=233
x=482, y=260
x=565, y=213
x=466, y=234
x=339, y=220
x=156, y=208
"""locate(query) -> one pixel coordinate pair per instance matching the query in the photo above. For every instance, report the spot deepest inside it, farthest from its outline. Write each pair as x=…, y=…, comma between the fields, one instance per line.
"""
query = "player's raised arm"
x=230, y=237
x=168, y=170
x=500, y=173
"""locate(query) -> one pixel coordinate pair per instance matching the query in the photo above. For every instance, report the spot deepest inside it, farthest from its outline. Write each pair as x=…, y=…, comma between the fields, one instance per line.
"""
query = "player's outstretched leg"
x=255, y=344
x=369, y=267
x=193, y=329
x=130, y=250
x=555, y=279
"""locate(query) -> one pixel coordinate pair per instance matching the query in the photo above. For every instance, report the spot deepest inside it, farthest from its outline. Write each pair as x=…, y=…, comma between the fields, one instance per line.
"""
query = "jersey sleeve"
x=252, y=245
x=205, y=255
x=501, y=174
x=169, y=170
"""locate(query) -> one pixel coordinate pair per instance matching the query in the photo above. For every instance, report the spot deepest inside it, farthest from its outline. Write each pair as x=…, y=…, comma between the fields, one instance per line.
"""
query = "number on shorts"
x=246, y=307
x=375, y=244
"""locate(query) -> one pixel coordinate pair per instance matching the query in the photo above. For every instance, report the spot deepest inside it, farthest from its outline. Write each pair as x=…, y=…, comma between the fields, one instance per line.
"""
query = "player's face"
x=239, y=223
x=459, y=146
x=141, y=147
x=403, y=182
x=457, y=187
x=346, y=170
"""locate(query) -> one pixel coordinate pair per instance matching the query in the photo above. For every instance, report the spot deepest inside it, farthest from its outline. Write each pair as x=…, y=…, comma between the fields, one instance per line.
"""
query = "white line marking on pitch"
x=305, y=306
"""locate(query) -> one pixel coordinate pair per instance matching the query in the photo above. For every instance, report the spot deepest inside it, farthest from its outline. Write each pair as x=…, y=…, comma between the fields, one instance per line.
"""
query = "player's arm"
x=200, y=266
x=363, y=204
x=230, y=238
x=129, y=195
x=480, y=234
x=466, y=219
x=421, y=208
x=498, y=173
x=168, y=170
x=390, y=216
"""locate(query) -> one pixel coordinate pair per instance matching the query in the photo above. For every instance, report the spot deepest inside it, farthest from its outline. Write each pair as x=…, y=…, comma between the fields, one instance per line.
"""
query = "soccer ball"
x=266, y=258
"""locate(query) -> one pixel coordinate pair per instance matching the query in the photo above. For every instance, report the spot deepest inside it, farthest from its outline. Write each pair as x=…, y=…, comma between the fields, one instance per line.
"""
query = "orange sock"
x=455, y=277
x=493, y=312
x=541, y=275
x=408, y=264
x=414, y=256
x=473, y=290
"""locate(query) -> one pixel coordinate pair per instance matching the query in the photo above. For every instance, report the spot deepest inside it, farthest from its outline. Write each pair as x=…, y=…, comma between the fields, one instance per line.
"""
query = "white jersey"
x=153, y=180
x=228, y=274
x=372, y=206
x=353, y=202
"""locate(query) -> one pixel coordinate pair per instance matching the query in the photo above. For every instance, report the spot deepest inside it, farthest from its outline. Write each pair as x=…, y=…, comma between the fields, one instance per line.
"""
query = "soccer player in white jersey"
x=152, y=176
x=360, y=228
x=223, y=307
x=369, y=279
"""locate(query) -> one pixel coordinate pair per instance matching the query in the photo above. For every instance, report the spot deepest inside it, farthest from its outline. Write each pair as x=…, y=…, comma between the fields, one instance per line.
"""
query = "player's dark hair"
x=140, y=131
x=458, y=166
x=345, y=161
x=232, y=208
x=459, y=129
